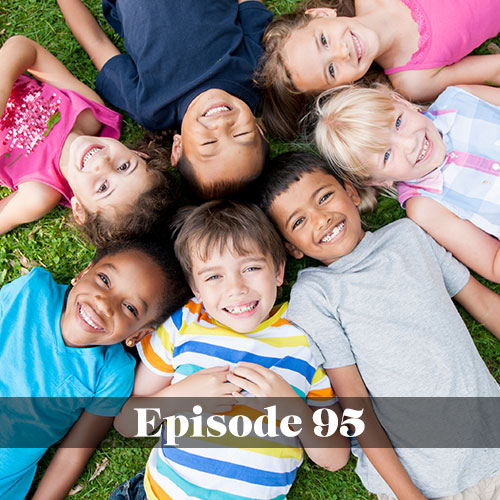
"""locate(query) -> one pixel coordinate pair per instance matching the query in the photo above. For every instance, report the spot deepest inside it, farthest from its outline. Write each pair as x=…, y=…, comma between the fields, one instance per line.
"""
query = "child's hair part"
x=282, y=104
x=143, y=214
x=288, y=168
x=220, y=189
x=219, y=223
x=351, y=121
x=175, y=292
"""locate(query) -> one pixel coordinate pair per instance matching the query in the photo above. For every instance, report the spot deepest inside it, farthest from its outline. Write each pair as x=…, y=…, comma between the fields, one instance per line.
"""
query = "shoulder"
x=36, y=281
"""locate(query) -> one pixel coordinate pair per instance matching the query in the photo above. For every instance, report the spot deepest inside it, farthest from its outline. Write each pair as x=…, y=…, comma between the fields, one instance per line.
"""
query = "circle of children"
x=375, y=318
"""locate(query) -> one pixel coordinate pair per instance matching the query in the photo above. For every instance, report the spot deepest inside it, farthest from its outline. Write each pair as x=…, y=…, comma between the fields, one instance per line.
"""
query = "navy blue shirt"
x=177, y=49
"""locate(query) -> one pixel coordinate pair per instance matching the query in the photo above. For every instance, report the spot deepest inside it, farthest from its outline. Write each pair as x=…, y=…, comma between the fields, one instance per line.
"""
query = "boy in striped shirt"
x=229, y=341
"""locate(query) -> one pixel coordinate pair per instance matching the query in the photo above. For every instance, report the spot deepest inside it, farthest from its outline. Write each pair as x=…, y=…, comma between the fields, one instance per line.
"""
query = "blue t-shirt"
x=54, y=383
x=176, y=50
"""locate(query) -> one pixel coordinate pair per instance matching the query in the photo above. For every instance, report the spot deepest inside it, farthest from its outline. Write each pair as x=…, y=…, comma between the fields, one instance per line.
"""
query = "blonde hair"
x=350, y=122
x=282, y=104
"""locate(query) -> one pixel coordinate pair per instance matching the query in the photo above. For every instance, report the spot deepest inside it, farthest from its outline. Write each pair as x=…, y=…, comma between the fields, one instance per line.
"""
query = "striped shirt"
x=468, y=182
x=191, y=340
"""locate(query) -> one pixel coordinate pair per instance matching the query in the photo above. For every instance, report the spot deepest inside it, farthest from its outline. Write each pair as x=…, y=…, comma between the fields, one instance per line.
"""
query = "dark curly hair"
x=149, y=210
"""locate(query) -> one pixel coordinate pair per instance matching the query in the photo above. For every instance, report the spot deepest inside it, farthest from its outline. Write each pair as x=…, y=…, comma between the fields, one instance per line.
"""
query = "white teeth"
x=336, y=230
x=218, y=109
x=242, y=309
x=421, y=156
x=88, y=320
x=357, y=46
x=89, y=155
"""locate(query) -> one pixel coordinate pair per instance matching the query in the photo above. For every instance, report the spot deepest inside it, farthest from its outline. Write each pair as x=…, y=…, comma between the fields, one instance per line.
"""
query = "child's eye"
x=103, y=187
x=103, y=278
x=387, y=155
x=124, y=166
x=331, y=70
x=398, y=122
x=132, y=309
x=325, y=197
x=323, y=41
x=297, y=223
x=252, y=268
x=213, y=277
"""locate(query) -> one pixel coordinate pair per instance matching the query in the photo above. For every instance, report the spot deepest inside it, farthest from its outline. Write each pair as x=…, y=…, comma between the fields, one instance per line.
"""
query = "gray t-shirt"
x=387, y=308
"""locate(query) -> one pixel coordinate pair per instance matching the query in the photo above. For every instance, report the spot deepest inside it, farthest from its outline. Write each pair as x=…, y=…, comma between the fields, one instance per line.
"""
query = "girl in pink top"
x=421, y=44
x=58, y=144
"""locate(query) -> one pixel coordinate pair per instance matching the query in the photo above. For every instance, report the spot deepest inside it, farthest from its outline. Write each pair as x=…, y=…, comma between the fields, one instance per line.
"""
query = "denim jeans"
x=131, y=489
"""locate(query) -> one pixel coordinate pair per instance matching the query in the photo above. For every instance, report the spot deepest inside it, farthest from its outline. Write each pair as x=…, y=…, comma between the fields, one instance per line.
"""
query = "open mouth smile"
x=333, y=233
x=85, y=314
x=423, y=151
x=90, y=152
x=217, y=110
x=242, y=309
x=357, y=46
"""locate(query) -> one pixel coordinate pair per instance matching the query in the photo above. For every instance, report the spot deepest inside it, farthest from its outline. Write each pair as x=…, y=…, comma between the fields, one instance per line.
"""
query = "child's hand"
x=260, y=381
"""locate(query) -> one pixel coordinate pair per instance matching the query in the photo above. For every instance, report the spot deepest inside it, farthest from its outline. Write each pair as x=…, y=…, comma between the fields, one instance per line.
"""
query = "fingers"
x=215, y=369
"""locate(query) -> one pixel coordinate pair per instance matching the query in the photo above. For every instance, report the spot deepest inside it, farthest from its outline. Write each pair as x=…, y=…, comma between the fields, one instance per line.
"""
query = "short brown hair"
x=147, y=211
x=218, y=223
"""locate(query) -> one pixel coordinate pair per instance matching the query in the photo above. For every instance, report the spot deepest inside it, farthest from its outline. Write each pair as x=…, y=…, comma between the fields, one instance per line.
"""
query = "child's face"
x=318, y=217
x=238, y=291
x=114, y=300
x=415, y=148
x=220, y=137
x=329, y=51
x=104, y=174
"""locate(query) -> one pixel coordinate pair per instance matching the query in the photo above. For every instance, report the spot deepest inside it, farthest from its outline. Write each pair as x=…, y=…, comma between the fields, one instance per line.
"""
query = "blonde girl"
x=446, y=161
x=58, y=144
x=421, y=45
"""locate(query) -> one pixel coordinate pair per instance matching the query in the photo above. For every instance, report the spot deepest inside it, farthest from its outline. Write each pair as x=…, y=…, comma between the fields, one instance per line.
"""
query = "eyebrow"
x=251, y=258
x=313, y=195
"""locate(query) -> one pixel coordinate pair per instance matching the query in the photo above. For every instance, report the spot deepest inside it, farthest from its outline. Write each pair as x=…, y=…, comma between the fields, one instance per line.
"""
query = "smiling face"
x=329, y=51
x=415, y=148
x=318, y=217
x=114, y=300
x=220, y=138
x=238, y=291
x=105, y=174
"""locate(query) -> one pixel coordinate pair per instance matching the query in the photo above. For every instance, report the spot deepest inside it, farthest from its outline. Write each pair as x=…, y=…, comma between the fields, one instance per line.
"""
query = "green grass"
x=53, y=243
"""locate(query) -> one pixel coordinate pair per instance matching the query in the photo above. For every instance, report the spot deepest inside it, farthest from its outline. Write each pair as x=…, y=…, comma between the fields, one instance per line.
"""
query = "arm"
x=476, y=249
x=347, y=383
x=210, y=382
x=262, y=382
x=482, y=303
x=19, y=54
x=427, y=84
x=87, y=32
x=68, y=463
x=30, y=202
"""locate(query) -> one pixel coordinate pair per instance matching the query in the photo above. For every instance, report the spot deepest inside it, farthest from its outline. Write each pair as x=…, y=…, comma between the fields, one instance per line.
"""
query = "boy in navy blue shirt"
x=188, y=63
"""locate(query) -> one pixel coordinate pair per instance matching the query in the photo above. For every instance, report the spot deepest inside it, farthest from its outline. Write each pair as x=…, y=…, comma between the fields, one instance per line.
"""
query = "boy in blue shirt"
x=379, y=309
x=189, y=63
x=63, y=370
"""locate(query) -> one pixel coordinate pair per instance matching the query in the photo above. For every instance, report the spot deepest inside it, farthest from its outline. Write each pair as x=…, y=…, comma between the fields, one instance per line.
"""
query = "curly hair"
x=148, y=211
x=283, y=106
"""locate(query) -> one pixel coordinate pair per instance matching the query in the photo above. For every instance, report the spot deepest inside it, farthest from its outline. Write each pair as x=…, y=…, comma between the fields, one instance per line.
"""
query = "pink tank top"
x=449, y=30
x=37, y=119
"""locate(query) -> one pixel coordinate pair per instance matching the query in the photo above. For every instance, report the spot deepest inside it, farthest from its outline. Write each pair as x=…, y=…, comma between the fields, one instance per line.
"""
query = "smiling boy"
x=227, y=339
x=188, y=64
x=380, y=311
x=62, y=361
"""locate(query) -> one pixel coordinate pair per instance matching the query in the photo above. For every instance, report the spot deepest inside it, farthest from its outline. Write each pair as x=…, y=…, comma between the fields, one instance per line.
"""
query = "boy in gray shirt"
x=380, y=312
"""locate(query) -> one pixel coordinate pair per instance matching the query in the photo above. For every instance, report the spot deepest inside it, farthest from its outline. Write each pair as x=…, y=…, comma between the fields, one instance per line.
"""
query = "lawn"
x=54, y=244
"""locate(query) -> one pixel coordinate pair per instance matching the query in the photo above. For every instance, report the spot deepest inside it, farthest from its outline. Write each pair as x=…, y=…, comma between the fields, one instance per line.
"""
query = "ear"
x=78, y=211
x=322, y=12
x=176, y=154
x=293, y=250
x=196, y=292
x=142, y=155
x=280, y=274
x=81, y=274
x=138, y=336
x=352, y=192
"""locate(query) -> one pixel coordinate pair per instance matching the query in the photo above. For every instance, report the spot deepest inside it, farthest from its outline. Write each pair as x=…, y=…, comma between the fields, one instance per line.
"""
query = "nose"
x=100, y=165
x=235, y=285
x=223, y=121
x=320, y=219
x=103, y=305
x=407, y=143
x=340, y=50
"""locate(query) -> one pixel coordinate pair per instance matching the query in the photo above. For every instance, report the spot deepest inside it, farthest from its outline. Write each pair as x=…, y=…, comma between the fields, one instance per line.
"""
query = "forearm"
x=87, y=32
x=62, y=473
